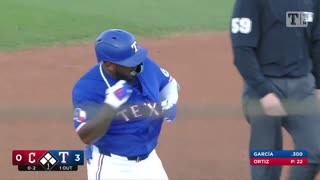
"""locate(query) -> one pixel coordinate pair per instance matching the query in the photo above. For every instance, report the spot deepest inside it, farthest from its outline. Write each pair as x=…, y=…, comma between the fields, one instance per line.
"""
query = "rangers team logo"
x=79, y=115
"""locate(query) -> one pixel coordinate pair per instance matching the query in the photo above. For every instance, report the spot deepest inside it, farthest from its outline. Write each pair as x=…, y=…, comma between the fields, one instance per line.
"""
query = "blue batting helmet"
x=119, y=47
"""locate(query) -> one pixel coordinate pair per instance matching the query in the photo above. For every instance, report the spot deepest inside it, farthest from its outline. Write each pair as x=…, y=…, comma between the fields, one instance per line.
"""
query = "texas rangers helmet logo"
x=79, y=115
x=134, y=46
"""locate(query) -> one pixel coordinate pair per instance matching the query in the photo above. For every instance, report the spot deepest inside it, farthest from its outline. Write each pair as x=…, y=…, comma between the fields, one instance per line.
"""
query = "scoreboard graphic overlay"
x=278, y=158
x=47, y=160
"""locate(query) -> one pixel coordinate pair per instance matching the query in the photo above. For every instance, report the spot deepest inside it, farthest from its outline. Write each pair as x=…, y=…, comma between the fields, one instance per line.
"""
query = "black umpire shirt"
x=275, y=38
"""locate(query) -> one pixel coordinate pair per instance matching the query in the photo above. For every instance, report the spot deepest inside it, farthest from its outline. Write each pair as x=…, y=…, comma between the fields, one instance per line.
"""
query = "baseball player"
x=276, y=47
x=119, y=107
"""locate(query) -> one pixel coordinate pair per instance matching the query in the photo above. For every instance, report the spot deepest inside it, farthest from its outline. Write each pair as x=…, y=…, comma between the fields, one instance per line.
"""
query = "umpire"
x=276, y=47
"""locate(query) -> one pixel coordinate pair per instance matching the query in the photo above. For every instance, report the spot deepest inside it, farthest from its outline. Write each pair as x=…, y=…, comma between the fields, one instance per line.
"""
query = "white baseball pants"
x=103, y=167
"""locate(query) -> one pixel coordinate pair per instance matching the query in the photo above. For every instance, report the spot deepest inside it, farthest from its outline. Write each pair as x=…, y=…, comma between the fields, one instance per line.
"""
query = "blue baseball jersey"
x=136, y=126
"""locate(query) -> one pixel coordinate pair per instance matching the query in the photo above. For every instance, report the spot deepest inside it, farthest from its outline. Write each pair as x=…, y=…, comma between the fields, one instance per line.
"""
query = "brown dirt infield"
x=207, y=141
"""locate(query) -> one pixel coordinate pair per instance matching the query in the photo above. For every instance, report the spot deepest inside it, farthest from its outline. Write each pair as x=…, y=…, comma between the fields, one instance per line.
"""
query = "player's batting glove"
x=118, y=94
x=169, y=110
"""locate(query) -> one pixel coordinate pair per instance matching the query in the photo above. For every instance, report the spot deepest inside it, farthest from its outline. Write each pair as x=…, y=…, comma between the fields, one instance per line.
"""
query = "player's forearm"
x=170, y=91
x=169, y=99
x=248, y=66
x=96, y=127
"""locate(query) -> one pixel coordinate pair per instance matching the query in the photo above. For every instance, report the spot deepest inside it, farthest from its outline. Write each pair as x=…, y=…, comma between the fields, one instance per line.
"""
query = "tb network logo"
x=298, y=18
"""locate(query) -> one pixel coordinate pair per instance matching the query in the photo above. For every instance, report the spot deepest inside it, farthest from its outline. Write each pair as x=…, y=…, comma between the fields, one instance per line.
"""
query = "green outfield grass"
x=29, y=23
